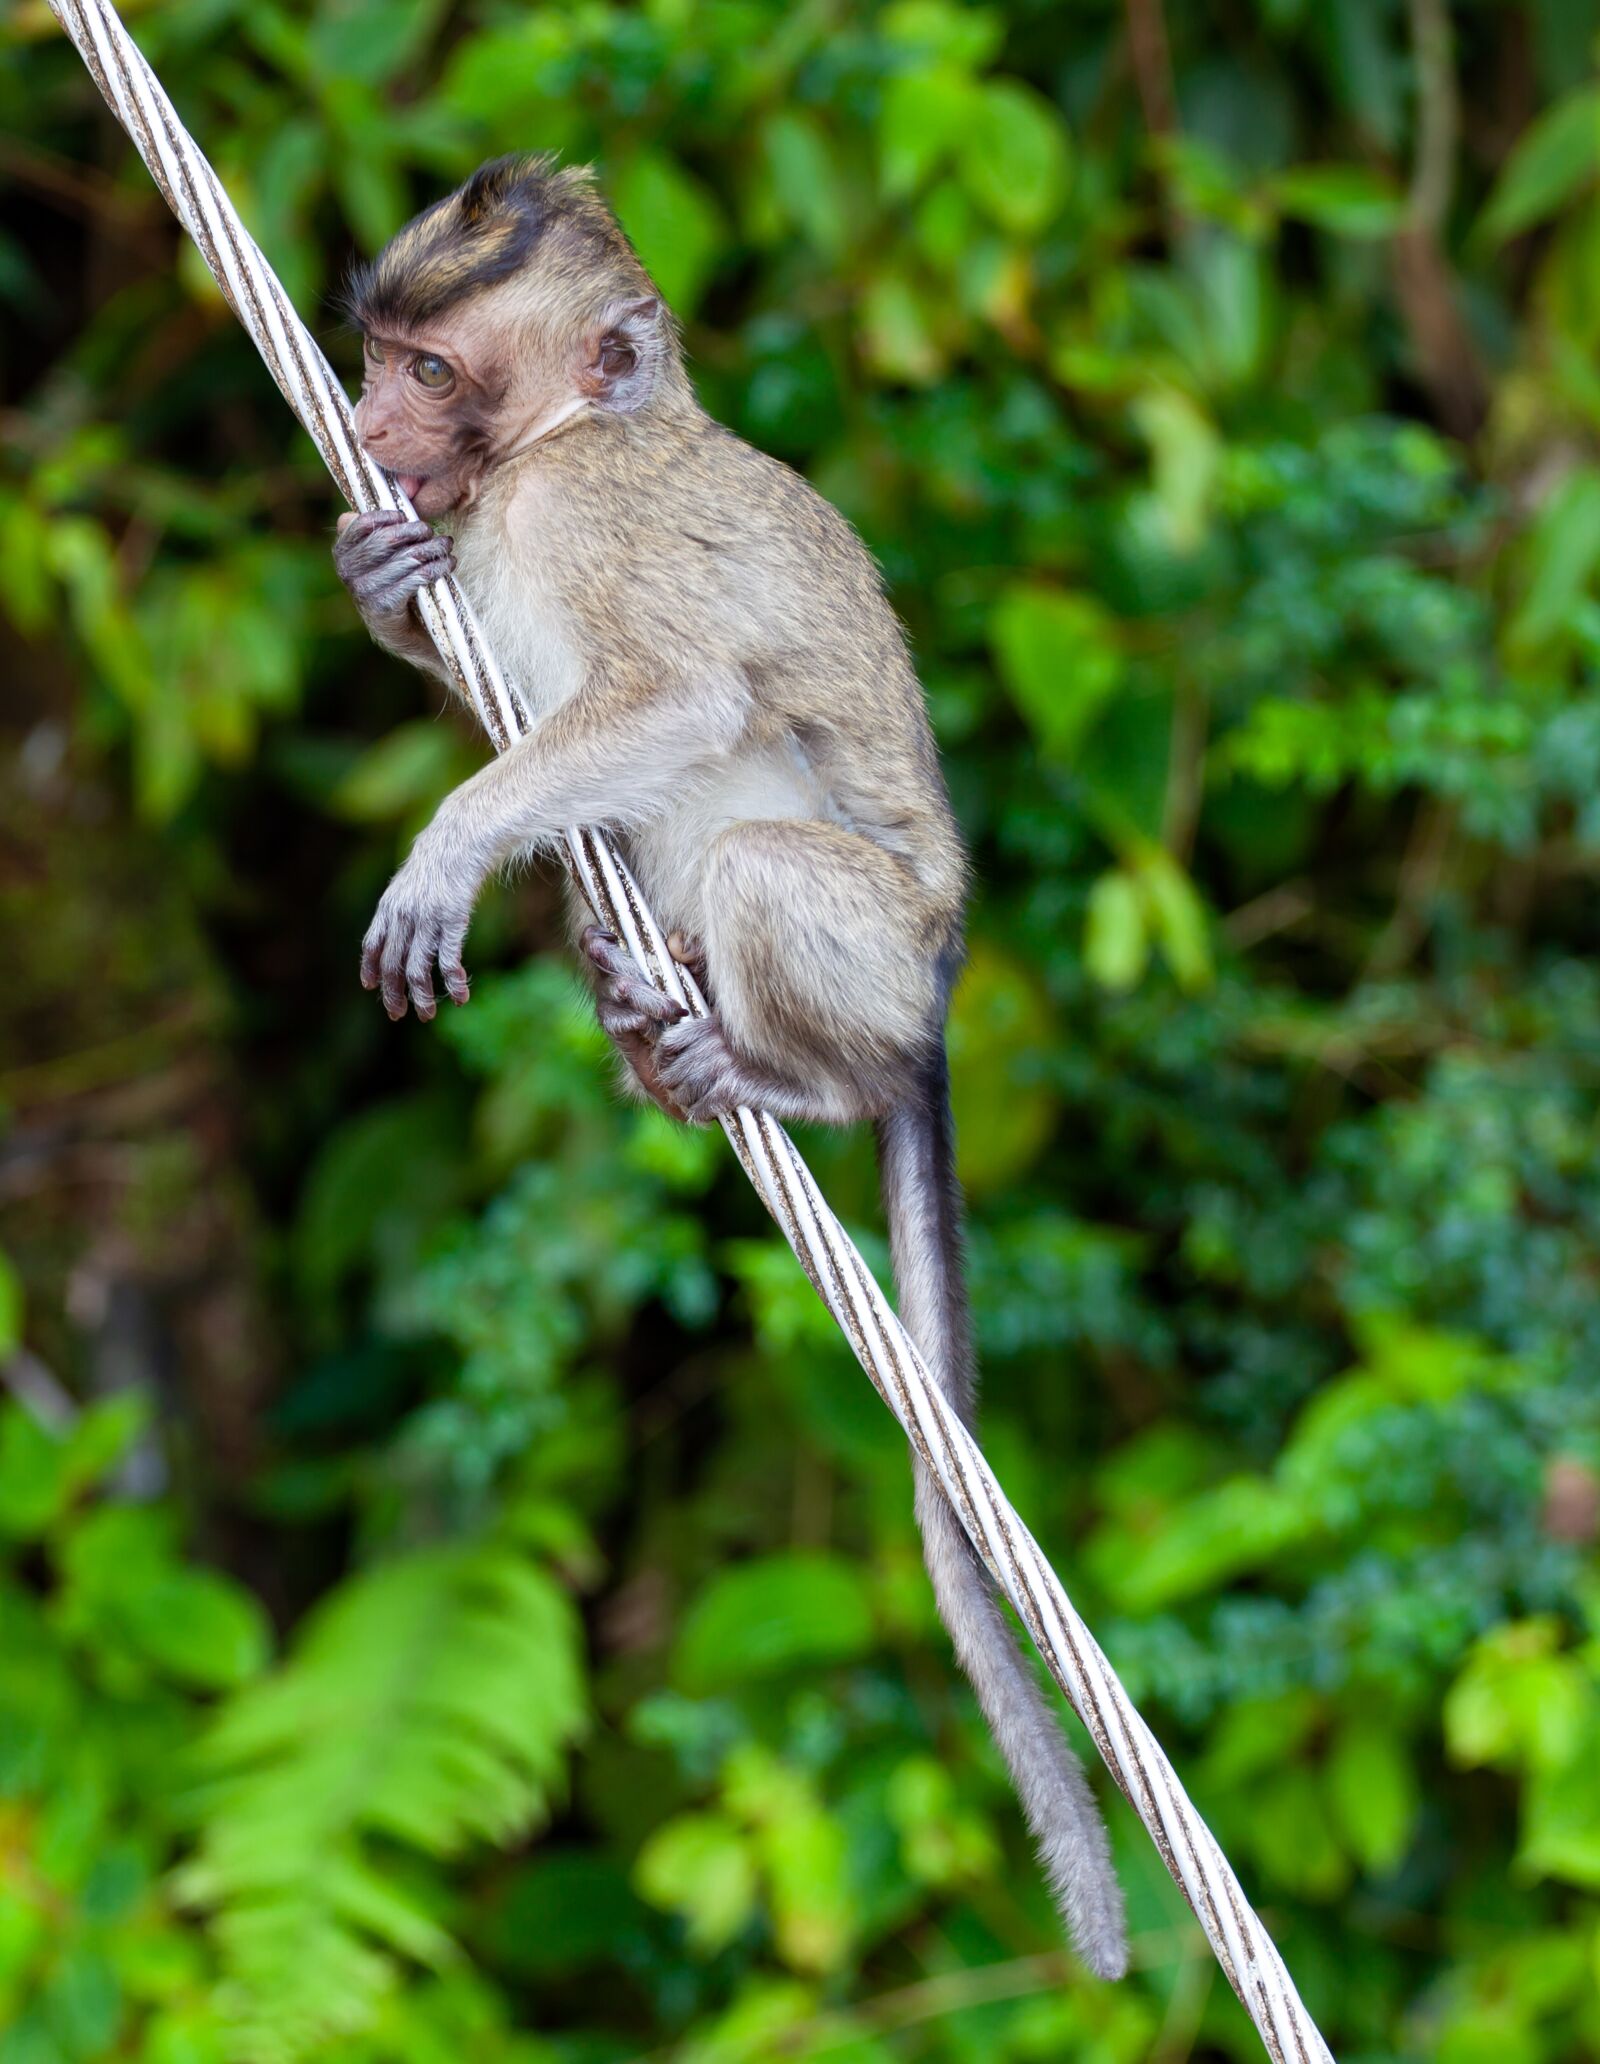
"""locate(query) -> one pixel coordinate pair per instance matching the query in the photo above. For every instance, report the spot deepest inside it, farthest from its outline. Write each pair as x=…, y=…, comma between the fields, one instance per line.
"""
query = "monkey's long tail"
x=922, y=1201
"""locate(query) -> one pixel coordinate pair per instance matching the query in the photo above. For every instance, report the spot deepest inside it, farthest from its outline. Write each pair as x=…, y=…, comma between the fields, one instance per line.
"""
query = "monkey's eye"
x=374, y=350
x=432, y=371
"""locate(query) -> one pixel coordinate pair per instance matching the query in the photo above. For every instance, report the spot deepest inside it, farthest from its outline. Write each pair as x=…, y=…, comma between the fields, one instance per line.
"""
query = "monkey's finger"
x=372, y=551
x=398, y=579
x=372, y=955
x=434, y=559
x=354, y=530
x=369, y=550
x=392, y=969
x=452, y=940
x=419, y=970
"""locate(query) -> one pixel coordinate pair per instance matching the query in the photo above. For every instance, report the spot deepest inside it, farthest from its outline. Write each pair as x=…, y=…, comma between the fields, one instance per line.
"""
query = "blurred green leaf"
x=406, y=773
x=700, y=1865
x=965, y=35
x=11, y=1308
x=1563, y=552
x=1187, y=454
x=1059, y=658
x=1015, y=159
x=1349, y=200
x=898, y=331
x=1178, y=918
x=1241, y=1525
x=773, y=1614
x=1116, y=938
x=925, y=115
x=806, y=179
x=675, y=225
x=126, y=1588
x=999, y=1017
x=34, y=1474
x=1518, y=1698
x=1556, y=157
x=370, y=39
x=1373, y=1790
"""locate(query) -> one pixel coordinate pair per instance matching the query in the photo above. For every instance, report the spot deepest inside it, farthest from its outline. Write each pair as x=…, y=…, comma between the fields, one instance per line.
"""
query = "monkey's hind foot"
x=624, y=1000
x=684, y=1064
x=632, y=1012
x=701, y=1072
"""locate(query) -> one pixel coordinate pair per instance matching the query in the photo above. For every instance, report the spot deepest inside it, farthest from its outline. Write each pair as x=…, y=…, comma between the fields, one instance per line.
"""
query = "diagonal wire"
x=825, y=1251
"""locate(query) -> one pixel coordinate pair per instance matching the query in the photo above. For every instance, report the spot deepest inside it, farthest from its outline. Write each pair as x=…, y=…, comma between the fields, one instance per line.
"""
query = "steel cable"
x=825, y=1251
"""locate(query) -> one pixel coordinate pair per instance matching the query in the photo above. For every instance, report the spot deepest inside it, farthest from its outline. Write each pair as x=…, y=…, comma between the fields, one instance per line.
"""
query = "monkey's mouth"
x=430, y=494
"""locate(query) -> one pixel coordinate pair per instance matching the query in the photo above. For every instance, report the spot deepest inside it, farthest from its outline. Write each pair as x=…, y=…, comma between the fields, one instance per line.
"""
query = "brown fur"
x=485, y=232
x=713, y=672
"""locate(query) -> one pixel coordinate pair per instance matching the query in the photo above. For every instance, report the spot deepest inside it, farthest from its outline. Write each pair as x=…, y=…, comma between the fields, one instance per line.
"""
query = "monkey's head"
x=514, y=305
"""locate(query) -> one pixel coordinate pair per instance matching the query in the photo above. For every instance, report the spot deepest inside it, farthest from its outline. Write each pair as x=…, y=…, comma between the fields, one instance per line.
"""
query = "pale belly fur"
x=669, y=854
x=772, y=780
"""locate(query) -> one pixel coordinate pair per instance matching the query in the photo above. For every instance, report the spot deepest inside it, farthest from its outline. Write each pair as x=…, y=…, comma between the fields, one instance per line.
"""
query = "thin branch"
x=83, y=191
x=1277, y=909
x=1151, y=56
x=1438, y=117
x=1424, y=285
x=1421, y=871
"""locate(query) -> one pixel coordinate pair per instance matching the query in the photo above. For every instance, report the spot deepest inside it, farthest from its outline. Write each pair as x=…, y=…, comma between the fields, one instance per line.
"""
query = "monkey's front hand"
x=421, y=919
x=383, y=558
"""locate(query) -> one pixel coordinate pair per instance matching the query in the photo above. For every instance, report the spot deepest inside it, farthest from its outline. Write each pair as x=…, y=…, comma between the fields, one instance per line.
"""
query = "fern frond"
x=429, y=1703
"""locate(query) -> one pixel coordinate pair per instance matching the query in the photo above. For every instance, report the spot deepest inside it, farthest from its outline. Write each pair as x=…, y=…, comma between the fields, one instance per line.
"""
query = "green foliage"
x=427, y=1705
x=1222, y=408
x=766, y=1617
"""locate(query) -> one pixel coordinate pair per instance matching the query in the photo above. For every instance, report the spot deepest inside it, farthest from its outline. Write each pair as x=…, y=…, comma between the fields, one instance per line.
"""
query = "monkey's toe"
x=700, y=1070
x=688, y=952
x=624, y=988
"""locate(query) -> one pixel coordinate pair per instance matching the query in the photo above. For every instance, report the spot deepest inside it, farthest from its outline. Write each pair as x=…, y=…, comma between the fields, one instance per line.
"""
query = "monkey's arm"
x=383, y=559
x=613, y=755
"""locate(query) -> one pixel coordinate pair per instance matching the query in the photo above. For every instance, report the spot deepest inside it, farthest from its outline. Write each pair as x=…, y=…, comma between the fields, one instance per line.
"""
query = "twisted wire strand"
x=824, y=1250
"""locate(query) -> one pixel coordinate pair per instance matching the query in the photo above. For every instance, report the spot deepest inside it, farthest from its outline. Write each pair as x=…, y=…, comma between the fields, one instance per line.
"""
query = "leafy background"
x=457, y=1599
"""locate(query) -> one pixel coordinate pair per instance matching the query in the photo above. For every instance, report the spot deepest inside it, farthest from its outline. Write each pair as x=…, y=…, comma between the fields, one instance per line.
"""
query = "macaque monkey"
x=714, y=675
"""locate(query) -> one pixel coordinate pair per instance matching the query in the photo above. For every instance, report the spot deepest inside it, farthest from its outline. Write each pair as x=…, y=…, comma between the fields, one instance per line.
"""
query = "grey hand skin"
x=715, y=676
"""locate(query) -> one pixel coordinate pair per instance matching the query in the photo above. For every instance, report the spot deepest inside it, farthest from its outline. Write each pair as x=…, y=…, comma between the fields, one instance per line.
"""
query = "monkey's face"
x=444, y=404
x=428, y=413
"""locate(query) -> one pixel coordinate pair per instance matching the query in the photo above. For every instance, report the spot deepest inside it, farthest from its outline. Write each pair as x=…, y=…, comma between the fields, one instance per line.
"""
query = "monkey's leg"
x=826, y=976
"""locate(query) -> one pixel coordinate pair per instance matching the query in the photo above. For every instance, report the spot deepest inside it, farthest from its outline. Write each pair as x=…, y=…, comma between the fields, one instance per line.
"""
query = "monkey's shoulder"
x=695, y=497
x=772, y=508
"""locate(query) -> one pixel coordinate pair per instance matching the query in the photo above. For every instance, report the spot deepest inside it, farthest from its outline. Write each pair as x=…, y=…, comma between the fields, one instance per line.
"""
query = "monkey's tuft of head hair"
x=486, y=231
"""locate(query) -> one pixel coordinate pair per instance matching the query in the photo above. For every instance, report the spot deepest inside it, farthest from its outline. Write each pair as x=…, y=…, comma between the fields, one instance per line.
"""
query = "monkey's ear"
x=622, y=353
